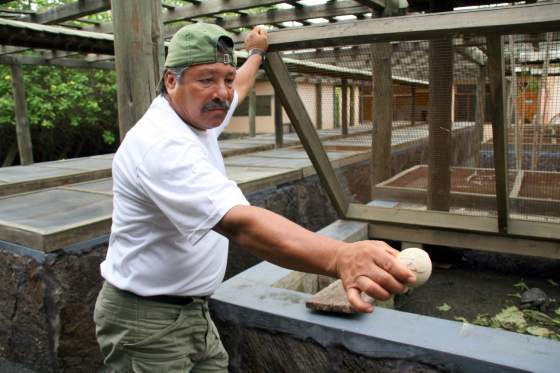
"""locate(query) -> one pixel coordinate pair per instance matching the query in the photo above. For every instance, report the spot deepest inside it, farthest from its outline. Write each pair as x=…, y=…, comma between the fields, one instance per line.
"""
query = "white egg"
x=418, y=261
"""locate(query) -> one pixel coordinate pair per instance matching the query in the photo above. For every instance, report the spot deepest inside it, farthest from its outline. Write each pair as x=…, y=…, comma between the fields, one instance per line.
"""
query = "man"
x=174, y=208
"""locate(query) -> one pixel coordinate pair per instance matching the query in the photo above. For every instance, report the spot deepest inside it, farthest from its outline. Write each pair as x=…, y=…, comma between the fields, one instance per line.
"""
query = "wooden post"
x=10, y=155
x=517, y=133
x=382, y=117
x=382, y=113
x=361, y=104
x=253, y=113
x=496, y=69
x=139, y=56
x=278, y=122
x=479, y=113
x=352, y=120
x=439, y=124
x=344, y=107
x=318, y=105
x=412, y=105
x=23, y=134
x=542, y=99
x=336, y=108
x=285, y=87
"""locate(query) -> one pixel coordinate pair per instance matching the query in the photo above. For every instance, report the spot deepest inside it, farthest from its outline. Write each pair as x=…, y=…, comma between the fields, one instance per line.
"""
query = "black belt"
x=168, y=299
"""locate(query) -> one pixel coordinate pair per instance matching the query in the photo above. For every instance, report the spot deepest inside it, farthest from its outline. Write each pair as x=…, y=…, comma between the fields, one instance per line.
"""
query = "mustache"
x=216, y=104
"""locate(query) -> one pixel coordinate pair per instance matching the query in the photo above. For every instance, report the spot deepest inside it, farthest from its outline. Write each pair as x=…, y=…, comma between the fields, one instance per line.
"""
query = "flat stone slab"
x=17, y=174
x=82, y=164
x=103, y=186
x=333, y=299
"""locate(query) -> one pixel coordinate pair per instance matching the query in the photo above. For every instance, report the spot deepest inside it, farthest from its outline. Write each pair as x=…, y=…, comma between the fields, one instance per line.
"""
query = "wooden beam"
x=538, y=17
x=380, y=166
x=512, y=110
x=319, y=105
x=453, y=223
x=470, y=53
x=427, y=218
x=23, y=134
x=344, y=106
x=138, y=59
x=25, y=34
x=253, y=113
x=285, y=88
x=329, y=9
x=10, y=155
x=65, y=62
x=361, y=109
x=495, y=46
x=69, y=11
x=480, y=109
x=352, y=111
x=16, y=11
x=7, y=49
x=373, y=4
x=198, y=10
x=440, y=124
x=467, y=240
x=412, y=105
x=278, y=122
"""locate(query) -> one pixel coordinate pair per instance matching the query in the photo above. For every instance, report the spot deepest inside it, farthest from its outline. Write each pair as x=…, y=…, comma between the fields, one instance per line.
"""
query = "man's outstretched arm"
x=368, y=266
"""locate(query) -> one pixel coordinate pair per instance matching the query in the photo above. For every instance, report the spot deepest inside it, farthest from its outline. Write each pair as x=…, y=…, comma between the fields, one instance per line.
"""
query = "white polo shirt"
x=169, y=190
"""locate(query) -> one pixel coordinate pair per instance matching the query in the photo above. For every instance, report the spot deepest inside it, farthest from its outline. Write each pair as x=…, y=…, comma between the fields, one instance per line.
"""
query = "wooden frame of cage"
x=501, y=234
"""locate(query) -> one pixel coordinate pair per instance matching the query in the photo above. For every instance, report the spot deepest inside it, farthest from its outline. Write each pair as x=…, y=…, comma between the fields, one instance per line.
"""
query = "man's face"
x=203, y=94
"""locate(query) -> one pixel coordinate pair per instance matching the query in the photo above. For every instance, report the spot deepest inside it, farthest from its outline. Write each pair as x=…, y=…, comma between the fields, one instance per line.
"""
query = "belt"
x=167, y=299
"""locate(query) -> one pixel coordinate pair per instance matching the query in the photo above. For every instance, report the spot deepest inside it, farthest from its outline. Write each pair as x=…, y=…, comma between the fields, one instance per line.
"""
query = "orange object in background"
x=527, y=105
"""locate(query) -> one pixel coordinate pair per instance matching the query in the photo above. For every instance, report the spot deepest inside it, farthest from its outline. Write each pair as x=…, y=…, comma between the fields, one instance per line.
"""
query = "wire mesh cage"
x=425, y=135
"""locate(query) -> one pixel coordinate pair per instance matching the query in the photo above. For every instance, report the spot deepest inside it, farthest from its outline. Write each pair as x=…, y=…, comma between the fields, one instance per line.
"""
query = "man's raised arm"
x=256, y=42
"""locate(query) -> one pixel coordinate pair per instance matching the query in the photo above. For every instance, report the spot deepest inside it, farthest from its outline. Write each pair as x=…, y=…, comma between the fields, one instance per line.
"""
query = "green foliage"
x=525, y=321
x=444, y=307
x=71, y=112
x=108, y=137
x=521, y=286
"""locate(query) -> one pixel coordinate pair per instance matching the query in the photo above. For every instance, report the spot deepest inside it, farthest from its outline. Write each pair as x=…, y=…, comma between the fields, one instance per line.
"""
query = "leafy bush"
x=71, y=112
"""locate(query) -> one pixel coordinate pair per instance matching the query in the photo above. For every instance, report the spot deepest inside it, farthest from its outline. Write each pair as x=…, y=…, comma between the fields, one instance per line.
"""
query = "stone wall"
x=47, y=306
x=256, y=350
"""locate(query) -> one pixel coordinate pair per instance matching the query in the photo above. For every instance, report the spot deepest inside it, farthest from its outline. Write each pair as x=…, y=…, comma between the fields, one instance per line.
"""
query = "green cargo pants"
x=144, y=336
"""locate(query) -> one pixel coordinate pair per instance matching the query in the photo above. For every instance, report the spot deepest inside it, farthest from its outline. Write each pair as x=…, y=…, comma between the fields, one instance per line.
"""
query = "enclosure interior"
x=432, y=142
x=431, y=148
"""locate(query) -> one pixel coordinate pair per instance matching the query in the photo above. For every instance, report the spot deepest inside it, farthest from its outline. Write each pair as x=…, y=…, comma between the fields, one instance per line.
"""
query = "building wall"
x=307, y=92
x=551, y=105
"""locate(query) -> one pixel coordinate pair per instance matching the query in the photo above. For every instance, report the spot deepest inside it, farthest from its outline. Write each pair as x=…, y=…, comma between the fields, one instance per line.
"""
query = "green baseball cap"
x=200, y=43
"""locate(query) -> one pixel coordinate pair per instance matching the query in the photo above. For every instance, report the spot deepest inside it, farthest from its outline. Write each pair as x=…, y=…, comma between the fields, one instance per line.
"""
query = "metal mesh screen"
x=436, y=114
x=533, y=117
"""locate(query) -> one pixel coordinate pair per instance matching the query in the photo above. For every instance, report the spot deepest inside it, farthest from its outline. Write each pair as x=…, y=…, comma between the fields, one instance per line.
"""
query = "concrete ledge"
x=249, y=302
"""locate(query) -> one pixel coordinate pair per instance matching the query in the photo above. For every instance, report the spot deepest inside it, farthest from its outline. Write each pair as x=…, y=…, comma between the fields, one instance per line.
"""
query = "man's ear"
x=169, y=79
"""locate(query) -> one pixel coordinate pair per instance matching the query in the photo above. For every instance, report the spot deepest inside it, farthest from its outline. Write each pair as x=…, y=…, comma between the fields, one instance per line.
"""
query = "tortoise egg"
x=418, y=261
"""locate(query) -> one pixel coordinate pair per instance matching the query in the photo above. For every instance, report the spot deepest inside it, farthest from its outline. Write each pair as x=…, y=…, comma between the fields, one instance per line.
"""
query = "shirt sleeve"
x=178, y=177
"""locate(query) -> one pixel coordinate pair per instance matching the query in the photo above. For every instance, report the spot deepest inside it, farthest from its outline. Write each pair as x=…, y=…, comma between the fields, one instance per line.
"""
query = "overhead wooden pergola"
x=137, y=55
